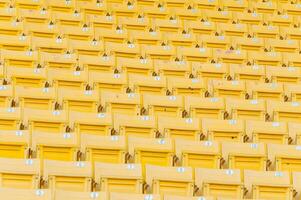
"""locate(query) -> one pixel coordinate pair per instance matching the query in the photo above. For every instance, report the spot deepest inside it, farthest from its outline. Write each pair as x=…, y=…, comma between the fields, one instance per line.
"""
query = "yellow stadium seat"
x=209, y=71
x=149, y=37
x=50, y=45
x=91, y=123
x=244, y=155
x=104, y=81
x=219, y=182
x=7, y=23
x=125, y=196
x=75, y=195
x=218, y=16
x=247, y=73
x=160, y=52
x=123, y=178
x=33, y=17
x=25, y=194
x=36, y=98
x=54, y=146
x=181, y=39
x=160, y=105
x=189, y=13
x=246, y=109
x=284, y=111
x=91, y=8
x=60, y=6
x=198, y=27
x=186, y=86
x=230, y=56
x=135, y=66
x=205, y=107
x=184, y=128
x=198, y=154
x=206, y=5
x=10, y=118
x=157, y=12
x=267, y=91
x=284, y=157
x=267, y=132
x=219, y=42
x=267, y=184
x=41, y=30
x=83, y=32
x=292, y=59
x=28, y=4
x=102, y=22
x=127, y=50
x=107, y=149
x=25, y=59
x=291, y=9
x=68, y=19
x=222, y=130
x=96, y=63
x=116, y=34
x=224, y=88
x=195, y=54
x=167, y=25
x=265, y=7
x=147, y=84
x=6, y=95
x=67, y=175
x=4, y=3
x=172, y=68
x=170, y=180
x=293, y=92
x=14, y=143
x=277, y=45
x=93, y=47
x=262, y=31
x=123, y=9
x=19, y=173
x=146, y=3
x=15, y=43
x=294, y=132
x=134, y=23
x=237, y=6
x=283, y=74
x=250, y=44
x=290, y=33
x=138, y=126
x=238, y=30
x=174, y=3
x=58, y=61
x=153, y=151
x=124, y=103
x=265, y=58
x=79, y=100
x=296, y=183
x=279, y=20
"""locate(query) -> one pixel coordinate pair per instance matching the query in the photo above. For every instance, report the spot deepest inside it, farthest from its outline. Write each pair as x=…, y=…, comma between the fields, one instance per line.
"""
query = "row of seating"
x=129, y=178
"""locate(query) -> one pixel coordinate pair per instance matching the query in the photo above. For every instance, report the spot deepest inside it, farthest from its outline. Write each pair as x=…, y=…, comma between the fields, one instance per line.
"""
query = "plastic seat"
x=123, y=178
x=135, y=66
x=25, y=194
x=14, y=143
x=292, y=59
x=284, y=157
x=41, y=30
x=172, y=68
x=91, y=123
x=54, y=146
x=35, y=98
x=34, y=16
x=290, y=33
x=294, y=133
x=237, y=30
x=219, y=183
x=157, y=12
x=233, y=5
x=223, y=88
x=277, y=45
x=249, y=44
x=7, y=24
x=63, y=19
x=60, y=6
x=170, y=180
x=58, y=61
x=184, y=128
x=280, y=20
x=265, y=7
x=262, y=31
x=283, y=74
x=230, y=56
x=218, y=16
x=108, y=149
x=66, y=175
x=198, y=154
x=4, y=3
x=205, y=107
x=6, y=95
x=96, y=63
x=296, y=183
x=125, y=196
x=268, y=184
x=50, y=45
x=223, y=130
x=186, y=86
x=244, y=155
x=123, y=9
x=26, y=59
x=284, y=111
x=94, y=48
x=28, y=4
x=247, y=73
x=146, y=3
x=267, y=91
x=104, y=22
x=208, y=71
x=160, y=52
x=149, y=37
x=265, y=58
x=188, y=12
x=291, y=9
x=293, y=92
x=64, y=194
x=91, y=8
x=148, y=84
x=153, y=151
x=138, y=126
x=160, y=105
x=124, y=103
x=14, y=43
x=128, y=50
x=198, y=27
x=134, y=23
x=181, y=39
x=246, y=109
x=83, y=32
x=115, y=35
x=19, y=173
x=219, y=42
x=174, y=4
x=206, y=5
x=10, y=118
x=195, y=54
x=267, y=132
